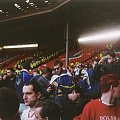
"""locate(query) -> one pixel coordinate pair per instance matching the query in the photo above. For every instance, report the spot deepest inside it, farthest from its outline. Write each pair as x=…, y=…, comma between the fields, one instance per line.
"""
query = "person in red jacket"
x=104, y=108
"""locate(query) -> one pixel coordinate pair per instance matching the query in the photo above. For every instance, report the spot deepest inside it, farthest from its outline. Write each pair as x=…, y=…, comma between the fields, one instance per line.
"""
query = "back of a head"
x=36, y=70
x=9, y=104
x=77, y=89
x=108, y=80
x=46, y=70
x=50, y=109
x=112, y=54
x=26, y=65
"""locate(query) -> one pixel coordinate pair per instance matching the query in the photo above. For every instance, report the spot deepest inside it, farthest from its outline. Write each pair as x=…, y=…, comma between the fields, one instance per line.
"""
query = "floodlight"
x=21, y=46
x=98, y=38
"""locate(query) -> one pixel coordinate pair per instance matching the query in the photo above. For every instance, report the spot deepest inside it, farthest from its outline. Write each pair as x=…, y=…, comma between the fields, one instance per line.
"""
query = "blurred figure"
x=110, y=64
x=36, y=74
x=53, y=71
x=1, y=77
x=47, y=110
x=77, y=71
x=9, y=104
x=44, y=80
x=2, y=82
x=10, y=78
x=72, y=103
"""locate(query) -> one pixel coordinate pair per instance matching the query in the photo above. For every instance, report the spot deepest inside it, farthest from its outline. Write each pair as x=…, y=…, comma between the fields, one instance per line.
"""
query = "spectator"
x=47, y=110
x=53, y=71
x=24, y=74
x=23, y=78
x=10, y=78
x=31, y=97
x=36, y=74
x=110, y=64
x=58, y=67
x=45, y=79
x=77, y=71
x=9, y=104
x=72, y=103
x=64, y=81
x=105, y=107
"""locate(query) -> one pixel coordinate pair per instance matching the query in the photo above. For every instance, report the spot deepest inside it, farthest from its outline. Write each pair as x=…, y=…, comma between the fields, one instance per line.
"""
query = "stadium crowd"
x=78, y=92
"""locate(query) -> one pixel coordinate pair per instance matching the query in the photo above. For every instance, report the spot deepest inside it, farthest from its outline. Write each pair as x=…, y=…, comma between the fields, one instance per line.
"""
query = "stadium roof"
x=44, y=21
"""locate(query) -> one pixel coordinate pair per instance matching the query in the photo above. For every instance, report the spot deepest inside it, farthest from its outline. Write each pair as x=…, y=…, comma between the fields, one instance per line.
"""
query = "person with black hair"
x=23, y=78
x=72, y=103
x=64, y=81
x=36, y=74
x=58, y=67
x=47, y=110
x=110, y=64
x=44, y=80
x=10, y=78
x=31, y=96
x=9, y=104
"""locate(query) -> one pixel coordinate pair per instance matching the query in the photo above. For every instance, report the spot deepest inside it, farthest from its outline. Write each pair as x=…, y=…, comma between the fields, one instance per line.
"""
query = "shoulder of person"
x=92, y=103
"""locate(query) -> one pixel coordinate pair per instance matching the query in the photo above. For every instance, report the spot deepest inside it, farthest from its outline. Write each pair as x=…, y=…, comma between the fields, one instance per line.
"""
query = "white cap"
x=53, y=78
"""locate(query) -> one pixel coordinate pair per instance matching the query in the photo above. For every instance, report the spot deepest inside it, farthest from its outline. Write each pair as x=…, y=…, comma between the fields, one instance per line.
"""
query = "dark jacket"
x=44, y=85
x=112, y=68
x=10, y=81
x=69, y=109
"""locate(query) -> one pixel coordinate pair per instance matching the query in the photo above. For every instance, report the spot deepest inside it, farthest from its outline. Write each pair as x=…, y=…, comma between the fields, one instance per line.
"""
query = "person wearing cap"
x=104, y=108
